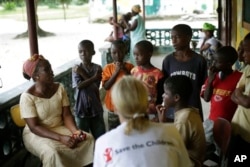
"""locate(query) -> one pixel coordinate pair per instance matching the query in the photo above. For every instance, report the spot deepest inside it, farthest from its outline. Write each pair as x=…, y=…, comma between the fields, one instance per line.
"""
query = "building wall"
x=238, y=32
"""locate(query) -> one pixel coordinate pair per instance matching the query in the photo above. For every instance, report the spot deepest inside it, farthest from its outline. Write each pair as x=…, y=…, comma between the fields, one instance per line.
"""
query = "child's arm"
x=239, y=98
x=87, y=79
x=126, y=71
x=161, y=112
x=126, y=24
x=133, y=26
x=80, y=72
x=108, y=83
x=208, y=92
x=204, y=45
x=117, y=24
x=160, y=90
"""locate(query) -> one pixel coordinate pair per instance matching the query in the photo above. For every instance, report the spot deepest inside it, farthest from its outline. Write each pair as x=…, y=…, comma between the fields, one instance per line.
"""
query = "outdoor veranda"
x=62, y=47
x=61, y=50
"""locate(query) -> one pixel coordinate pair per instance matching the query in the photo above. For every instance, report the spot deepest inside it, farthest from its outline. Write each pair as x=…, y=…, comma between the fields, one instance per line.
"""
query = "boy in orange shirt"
x=111, y=73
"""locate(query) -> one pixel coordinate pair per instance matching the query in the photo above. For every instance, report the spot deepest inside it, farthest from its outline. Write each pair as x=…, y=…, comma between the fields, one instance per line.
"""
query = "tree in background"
x=40, y=32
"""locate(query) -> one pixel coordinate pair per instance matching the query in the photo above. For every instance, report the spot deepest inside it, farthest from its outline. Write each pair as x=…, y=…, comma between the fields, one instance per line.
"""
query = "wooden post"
x=32, y=26
x=219, y=11
x=115, y=19
x=143, y=9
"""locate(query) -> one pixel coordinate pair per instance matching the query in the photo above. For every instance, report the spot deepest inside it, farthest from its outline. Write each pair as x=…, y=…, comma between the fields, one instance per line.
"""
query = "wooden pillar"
x=32, y=26
x=229, y=22
x=219, y=11
x=115, y=19
x=144, y=10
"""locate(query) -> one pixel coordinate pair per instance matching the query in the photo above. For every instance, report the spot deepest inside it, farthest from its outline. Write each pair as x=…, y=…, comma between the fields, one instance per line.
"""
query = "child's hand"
x=98, y=75
x=123, y=67
x=239, y=91
x=79, y=136
x=77, y=69
x=69, y=141
x=212, y=73
x=118, y=66
x=161, y=110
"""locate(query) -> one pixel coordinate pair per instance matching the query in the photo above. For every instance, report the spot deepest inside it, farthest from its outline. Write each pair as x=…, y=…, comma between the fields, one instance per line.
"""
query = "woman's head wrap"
x=136, y=8
x=29, y=65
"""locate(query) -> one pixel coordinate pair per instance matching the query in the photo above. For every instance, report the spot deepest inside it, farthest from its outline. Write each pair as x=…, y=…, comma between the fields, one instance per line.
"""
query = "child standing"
x=184, y=61
x=86, y=78
x=218, y=88
x=148, y=74
x=111, y=73
x=240, y=142
x=177, y=91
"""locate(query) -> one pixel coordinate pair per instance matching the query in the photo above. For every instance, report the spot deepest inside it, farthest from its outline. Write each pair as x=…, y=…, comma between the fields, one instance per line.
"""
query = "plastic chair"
x=196, y=163
x=222, y=135
x=16, y=116
x=28, y=159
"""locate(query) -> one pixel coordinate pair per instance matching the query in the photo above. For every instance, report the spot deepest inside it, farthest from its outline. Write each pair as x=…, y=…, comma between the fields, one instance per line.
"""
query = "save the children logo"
x=111, y=153
x=108, y=153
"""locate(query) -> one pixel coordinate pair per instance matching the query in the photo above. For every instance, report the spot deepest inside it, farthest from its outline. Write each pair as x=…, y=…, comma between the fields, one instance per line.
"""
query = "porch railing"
x=161, y=39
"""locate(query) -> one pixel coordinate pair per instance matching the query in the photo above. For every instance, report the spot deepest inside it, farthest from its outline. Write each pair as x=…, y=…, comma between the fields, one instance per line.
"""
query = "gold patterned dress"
x=49, y=112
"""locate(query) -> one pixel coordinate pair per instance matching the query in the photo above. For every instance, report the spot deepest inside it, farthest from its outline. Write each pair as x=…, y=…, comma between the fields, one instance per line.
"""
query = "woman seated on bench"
x=50, y=132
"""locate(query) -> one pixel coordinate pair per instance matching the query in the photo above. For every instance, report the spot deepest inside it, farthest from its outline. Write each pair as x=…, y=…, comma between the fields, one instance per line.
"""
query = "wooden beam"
x=143, y=9
x=32, y=26
x=115, y=19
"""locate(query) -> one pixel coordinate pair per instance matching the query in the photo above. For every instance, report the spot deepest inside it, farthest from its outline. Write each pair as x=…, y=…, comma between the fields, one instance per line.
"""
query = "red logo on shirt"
x=108, y=155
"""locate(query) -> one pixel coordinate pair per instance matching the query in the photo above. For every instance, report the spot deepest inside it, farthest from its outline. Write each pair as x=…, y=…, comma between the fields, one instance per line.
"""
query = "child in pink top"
x=148, y=74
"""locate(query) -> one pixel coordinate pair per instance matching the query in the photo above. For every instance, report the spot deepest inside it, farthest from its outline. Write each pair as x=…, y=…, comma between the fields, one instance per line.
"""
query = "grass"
x=46, y=13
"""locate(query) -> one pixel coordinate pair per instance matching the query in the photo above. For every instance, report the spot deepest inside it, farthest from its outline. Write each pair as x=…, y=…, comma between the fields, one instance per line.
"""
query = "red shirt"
x=221, y=103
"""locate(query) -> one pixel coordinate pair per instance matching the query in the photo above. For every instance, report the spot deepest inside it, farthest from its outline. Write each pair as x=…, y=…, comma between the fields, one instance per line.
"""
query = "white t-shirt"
x=213, y=45
x=161, y=145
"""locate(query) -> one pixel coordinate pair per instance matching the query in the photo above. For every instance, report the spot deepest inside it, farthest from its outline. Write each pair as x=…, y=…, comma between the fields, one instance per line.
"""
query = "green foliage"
x=65, y=1
x=53, y=4
x=9, y=6
x=81, y=2
x=20, y=3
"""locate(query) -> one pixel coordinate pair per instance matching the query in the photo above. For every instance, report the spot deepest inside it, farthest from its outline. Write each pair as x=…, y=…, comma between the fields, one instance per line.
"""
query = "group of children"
x=176, y=89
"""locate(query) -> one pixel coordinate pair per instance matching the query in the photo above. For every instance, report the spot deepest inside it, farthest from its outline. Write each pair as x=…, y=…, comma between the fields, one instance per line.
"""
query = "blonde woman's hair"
x=130, y=98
